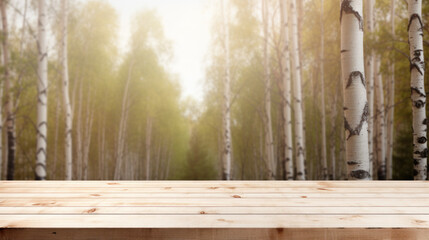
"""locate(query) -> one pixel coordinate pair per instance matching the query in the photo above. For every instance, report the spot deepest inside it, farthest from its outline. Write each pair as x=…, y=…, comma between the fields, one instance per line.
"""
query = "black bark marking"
x=347, y=8
x=422, y=154
x=425, y=122
x=360, y=174
x=352, y=163
x=414, y=65
x=358, y=129
x=421, y=140
x=355, y=74
x=416, y=161
x=419, y=104
x=414, y=16
x=416, y=90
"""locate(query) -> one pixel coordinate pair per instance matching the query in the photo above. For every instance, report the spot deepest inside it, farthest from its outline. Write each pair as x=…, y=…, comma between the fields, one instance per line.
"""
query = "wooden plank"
x=213, y=234
x=214, y=184
x=210, y=195
x=84, y=189
x=214, y=221
x=213, y=210
x=302, y=202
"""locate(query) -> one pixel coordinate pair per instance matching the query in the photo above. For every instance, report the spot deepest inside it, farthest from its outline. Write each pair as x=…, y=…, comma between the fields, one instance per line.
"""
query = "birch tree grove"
x=286, y=98
x=42, y=86
x=10, y=118
x=226, y=118
x=65, y=88
x=355, y=100
x=297, y=95
x=418, y=94
x=269, y=145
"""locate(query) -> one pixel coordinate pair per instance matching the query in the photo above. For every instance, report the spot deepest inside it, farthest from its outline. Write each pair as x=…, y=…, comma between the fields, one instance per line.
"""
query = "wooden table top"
x=214, y=204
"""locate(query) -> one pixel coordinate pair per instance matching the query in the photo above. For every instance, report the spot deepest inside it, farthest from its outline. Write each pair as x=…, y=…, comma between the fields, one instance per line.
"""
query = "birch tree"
x=322, y=92
x=418, y=94
x=369, y=67
x=226, y=118
x=286, y=98
x=269, y=145
x=355, y=100
x=381, y=136
x=42, y=87
x=391, y=101
x=10, y=118
x=297, y=94
x=65, y=88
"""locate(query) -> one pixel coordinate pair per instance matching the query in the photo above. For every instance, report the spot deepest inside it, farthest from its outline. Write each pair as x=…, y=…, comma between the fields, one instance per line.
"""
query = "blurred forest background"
x=130, y=122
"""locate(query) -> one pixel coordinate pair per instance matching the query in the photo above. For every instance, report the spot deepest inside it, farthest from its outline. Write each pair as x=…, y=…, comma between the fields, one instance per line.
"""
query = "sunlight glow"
x=187, y=25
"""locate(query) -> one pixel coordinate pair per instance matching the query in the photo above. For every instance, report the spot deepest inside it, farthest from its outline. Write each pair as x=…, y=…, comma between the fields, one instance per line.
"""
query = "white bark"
x=226, y=118
x=381, y=136
x=42, y=103
x=355, y=100
x=287, y=111
x=322, y=92
x=66, y=96
x=123, y=127
x=391, y=103
x=298, y=106
x=418, y=95
x=369, y=70
x=269, y=145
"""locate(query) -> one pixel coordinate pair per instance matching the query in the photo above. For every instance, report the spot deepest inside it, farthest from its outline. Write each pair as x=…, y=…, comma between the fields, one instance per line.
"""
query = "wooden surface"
x=213, y=204
x=213, y=233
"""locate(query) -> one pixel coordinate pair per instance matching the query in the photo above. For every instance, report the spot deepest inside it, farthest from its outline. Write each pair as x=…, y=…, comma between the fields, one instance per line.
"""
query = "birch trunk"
x=325, y=175
x=355, y=101
x=10, y=118
x=381, y=136
x=287, y=112
x=227, y=144
x=391, y=103
x=66, y=96
x=42, y=103
x=418, y=95
x=332, y=140
x=269, y=145
x=369, y=67
x=79, y=129
x=298, y=108
x=122, y=128
x=148, y=145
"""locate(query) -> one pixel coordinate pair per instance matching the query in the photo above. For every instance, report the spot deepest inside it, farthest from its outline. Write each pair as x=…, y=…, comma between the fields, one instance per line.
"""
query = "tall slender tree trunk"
x=123, y=127
x=355, y=101
x=391, y=103
x=148, y=145
x=10, y=118
x=269, y=144
x=325, y=175
x=418, y=95
x=287, y=111
x=381, y=135
x=298, y=106
x=42, y=103
x=66, y=97
x=227, y=142
x=370, y=75
x=333, y=137
x=79, y=134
